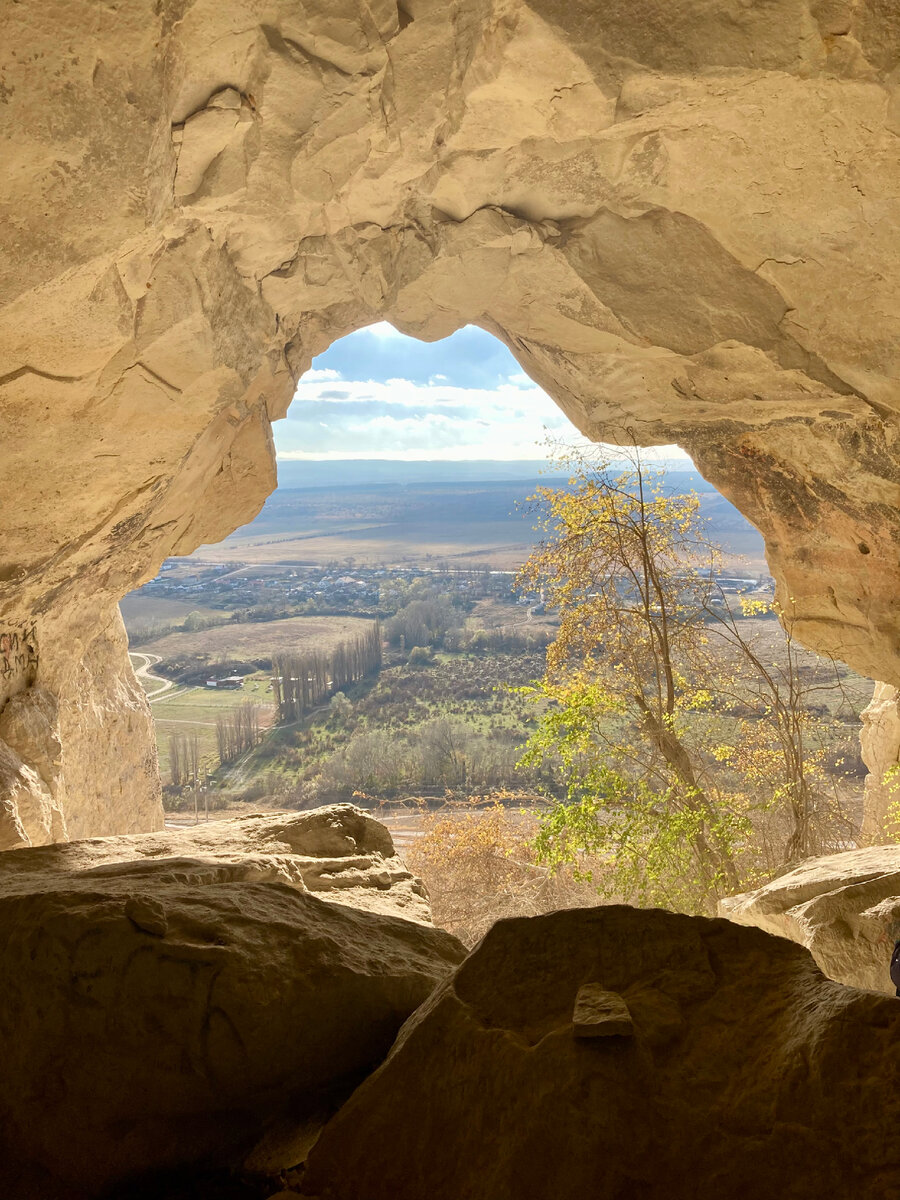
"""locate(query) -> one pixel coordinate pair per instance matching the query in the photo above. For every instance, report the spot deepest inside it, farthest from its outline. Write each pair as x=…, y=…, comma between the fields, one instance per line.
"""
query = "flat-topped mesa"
x=682, y=223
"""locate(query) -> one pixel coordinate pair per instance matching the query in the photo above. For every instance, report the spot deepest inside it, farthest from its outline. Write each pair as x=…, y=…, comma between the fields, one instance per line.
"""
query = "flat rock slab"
x=845, y=908
x=162, y=1013
x=749, y=1075
x=339, y=851
x=599, y=1013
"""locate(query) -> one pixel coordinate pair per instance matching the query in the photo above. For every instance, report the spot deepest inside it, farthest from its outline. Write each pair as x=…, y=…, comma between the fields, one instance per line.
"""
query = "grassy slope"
x=194, y=710
x=465, y=688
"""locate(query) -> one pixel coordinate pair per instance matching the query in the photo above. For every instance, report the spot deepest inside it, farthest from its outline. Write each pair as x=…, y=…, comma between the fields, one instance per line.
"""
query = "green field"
x=194, y=710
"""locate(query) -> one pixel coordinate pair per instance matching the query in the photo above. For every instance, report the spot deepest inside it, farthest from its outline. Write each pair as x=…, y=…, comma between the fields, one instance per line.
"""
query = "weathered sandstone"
x=845, y=908
x=748, y=1074
x=880, y=748
x=167, y=999
x=681, y=218
x=339, y=852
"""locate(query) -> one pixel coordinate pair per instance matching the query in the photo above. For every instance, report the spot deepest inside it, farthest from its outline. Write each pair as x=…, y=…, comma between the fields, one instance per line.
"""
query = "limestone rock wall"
x=77, y=749
x=845, y=908
x=880, y=747
x=339, y=852
x=682, y=222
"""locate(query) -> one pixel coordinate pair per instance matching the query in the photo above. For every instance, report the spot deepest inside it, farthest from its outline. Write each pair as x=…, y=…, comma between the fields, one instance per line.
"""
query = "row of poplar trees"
x=184, y=758
x=237, y=731
x=300, y=682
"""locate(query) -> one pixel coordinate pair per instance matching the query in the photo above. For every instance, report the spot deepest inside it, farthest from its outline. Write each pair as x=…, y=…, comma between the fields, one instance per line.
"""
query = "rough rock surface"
x=845, y=908
x=30, y=753
x=166, y=1000
x=880, y=748
x=748, y=1075
x=680, y=216
x=339, y=852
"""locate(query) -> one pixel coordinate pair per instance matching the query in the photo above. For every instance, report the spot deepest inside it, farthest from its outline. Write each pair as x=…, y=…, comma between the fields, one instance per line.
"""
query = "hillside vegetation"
x=456, y=710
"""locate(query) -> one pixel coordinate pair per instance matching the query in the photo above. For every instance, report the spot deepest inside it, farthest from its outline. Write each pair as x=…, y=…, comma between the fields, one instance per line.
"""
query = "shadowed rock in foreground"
x=845, y=908
x=748, y=1075
x=162, y=1012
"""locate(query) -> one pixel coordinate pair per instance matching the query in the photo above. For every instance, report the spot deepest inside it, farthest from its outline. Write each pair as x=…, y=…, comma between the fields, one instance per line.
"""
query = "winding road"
x=144, y=674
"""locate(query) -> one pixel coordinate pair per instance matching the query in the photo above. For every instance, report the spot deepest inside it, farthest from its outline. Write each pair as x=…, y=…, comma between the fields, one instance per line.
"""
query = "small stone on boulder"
x=599, y=1013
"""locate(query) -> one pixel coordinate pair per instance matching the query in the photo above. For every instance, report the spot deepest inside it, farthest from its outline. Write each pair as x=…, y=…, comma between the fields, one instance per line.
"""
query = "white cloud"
x=323, y=374
x=403, y=419
x=467, y=398
x=406, y=420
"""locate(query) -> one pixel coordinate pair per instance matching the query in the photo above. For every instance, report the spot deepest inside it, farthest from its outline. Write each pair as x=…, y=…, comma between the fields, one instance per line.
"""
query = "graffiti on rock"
x=18, y=656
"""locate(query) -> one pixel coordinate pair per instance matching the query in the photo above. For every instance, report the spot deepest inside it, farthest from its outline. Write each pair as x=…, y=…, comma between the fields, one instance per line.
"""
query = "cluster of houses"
x=353, y=589
x=362, y=587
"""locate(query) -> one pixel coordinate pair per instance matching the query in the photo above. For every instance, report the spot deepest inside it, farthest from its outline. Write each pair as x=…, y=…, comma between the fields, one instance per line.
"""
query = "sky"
x=380, y=394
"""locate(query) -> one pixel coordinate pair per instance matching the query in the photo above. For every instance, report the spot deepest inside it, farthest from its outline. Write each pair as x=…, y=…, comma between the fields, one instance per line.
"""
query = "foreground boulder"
x=161, y=1013
x=845, y=908
x=745, y=1074
x=339, y=852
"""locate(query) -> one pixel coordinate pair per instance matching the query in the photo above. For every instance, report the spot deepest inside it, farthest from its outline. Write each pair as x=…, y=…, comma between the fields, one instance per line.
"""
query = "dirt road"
x=142, y=671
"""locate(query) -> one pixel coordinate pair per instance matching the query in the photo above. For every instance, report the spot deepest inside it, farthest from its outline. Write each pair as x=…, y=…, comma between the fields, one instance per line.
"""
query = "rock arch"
x=682, y=222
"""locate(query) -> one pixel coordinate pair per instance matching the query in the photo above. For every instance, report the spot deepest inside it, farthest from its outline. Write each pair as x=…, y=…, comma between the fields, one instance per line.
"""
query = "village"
x=266, y=592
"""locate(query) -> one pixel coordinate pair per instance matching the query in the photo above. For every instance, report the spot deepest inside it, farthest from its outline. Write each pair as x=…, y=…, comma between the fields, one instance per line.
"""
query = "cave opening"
x=404, y=468
x=681, y=220
x=395, y=454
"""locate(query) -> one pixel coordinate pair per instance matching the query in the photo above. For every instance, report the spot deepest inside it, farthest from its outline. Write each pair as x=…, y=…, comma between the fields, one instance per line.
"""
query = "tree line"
x=237, y=731
x=184, y=758
x=301, y=682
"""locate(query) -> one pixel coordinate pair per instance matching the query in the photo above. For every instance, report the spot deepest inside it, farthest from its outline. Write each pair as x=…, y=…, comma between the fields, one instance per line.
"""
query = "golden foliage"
x=478, y=864
x=693, y=766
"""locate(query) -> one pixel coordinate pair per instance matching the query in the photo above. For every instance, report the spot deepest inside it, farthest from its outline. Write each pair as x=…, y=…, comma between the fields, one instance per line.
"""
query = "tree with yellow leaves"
x=639, y=693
